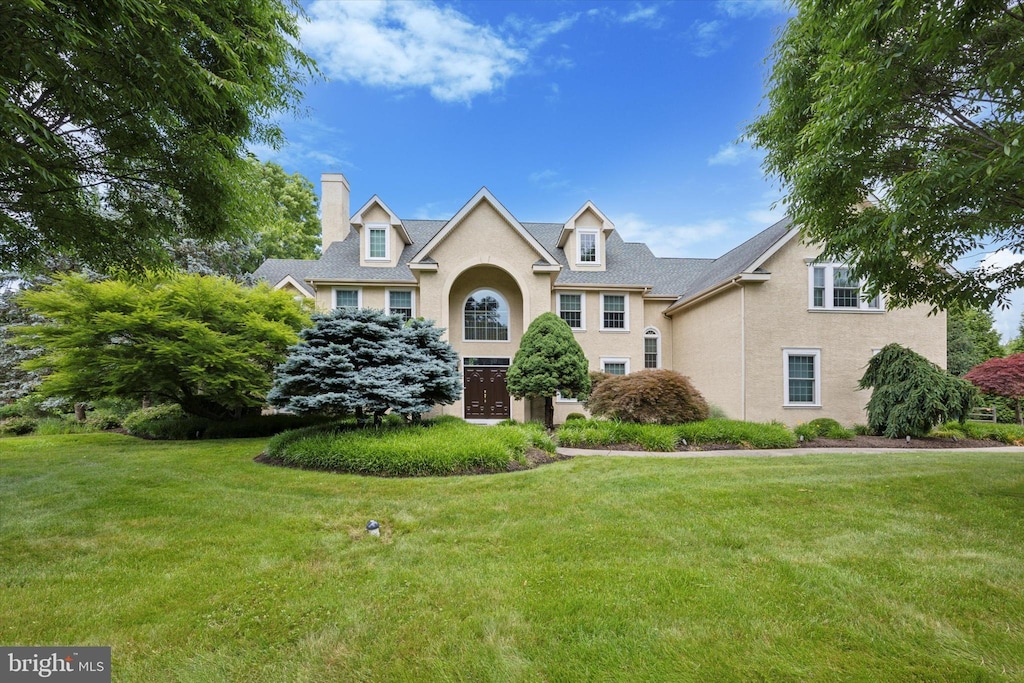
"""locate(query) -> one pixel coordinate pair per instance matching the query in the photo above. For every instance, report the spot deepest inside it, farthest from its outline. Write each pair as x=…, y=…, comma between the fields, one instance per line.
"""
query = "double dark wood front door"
x=485, y=394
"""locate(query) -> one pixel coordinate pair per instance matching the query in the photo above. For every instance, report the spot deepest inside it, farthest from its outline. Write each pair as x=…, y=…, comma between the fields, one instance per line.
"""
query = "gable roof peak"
x=483, y=195
x=606, y=225
x=393, y=219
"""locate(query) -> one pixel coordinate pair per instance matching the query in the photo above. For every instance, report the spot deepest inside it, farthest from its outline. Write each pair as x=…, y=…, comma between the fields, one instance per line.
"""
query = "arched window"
x=652, y=348
x=485, y=317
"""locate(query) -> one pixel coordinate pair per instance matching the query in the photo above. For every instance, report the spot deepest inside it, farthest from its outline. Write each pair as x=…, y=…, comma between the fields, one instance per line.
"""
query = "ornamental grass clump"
x=738, y=433
x=648, y=397
x=911, y=394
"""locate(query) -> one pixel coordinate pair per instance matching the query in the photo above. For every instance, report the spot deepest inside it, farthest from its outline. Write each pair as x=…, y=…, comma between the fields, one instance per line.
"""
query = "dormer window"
x=586, y=241
x=377, y=242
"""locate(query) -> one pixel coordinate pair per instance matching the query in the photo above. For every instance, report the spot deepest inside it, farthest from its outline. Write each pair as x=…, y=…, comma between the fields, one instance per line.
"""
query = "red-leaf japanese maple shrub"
x=1001, y=377
x=648, y=396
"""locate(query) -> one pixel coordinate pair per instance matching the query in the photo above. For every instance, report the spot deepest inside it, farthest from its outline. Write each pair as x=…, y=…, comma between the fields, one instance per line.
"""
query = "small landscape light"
x=908, y=438
x=373, y=527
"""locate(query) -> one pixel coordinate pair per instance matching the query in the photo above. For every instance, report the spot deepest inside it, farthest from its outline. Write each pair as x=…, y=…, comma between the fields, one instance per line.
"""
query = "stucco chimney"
x=334, y=215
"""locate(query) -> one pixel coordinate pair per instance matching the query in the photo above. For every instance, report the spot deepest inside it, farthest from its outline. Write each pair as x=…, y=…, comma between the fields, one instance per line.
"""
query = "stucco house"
x=766, y=332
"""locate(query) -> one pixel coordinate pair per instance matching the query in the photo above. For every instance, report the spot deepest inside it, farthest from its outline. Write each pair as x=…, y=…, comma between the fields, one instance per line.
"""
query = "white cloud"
x=648, y=16
x=999, y=260
x=669, y=240
x=748, y=9
x=707, y=37
x=548, y=179
x=413, y=44
x=732, y=155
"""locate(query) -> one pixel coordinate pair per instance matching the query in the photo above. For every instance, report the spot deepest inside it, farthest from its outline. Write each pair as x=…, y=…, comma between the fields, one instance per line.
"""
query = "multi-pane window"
x=378, y=243
x=613, y=311
x=485, y=317
x=802, y=377
x=570, y=309
x=588, y=246
x=651, y=351
x=834, y=287
x=615, y=368
x=400, y=303
x=346, y=298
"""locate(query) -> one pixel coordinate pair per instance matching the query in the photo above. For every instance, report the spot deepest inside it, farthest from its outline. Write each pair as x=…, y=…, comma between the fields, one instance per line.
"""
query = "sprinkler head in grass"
x=373, y=527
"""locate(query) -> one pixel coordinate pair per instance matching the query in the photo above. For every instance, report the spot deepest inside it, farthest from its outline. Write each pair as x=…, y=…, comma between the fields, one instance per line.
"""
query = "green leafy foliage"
x=169, y=422
x=737, y=433
x=549, y=361
x=1012, y=435
x=823, y=427
x=367, y=362
x=920, y=101
x=658, y=396
x=431, y=448
x=655, y=437
x=206, y=344
x=18, y=426
x=911, y=394
x=971, y=338
x=127, y=121
x=1001, y=377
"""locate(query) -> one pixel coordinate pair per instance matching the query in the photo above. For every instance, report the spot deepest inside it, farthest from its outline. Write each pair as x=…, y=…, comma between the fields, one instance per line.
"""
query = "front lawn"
x=197, y=564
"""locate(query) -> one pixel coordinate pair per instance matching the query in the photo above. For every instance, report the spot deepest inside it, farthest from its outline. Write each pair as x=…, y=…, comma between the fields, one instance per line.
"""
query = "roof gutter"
x=741, y=279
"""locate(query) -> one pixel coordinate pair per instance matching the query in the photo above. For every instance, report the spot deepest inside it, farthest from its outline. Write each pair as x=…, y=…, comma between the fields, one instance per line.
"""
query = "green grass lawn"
x=196, y=564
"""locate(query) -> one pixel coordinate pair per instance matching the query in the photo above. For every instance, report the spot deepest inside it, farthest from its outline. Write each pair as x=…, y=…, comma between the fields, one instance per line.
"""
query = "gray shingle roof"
x=627, y=264
x=273, y=270
x=341, y=260
x=738, y=260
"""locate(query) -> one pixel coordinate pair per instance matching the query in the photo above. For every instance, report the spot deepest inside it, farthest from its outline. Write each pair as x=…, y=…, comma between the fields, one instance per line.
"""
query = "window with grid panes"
x=613, y=311
x=400, y=303
x=570, y=309
x=378, y=243
x=346, y=298
x=588, y=246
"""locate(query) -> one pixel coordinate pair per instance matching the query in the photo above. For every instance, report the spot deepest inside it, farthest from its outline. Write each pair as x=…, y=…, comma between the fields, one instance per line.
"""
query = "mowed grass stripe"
x=196, y=564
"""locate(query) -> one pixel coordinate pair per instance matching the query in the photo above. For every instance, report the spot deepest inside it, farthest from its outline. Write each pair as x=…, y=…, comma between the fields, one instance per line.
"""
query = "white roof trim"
x=393, y=218
x=606, y=224
x=301, y=286
x=483, y=195
x=772, y=250
x=739, y=279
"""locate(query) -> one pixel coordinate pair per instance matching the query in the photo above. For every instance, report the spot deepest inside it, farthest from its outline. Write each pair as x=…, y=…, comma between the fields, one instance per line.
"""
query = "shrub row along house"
x=766, y=332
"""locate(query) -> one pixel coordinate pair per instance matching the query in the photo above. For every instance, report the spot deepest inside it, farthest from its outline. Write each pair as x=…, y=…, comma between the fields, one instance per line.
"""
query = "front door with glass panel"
x=485, y=393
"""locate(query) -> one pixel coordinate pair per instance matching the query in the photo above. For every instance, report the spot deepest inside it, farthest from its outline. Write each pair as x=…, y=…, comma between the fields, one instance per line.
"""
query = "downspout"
x=743, y=349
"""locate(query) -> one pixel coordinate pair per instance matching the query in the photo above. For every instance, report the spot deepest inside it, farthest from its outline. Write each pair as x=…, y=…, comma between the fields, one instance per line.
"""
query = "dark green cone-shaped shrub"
x=648, y=396
x=912, y=394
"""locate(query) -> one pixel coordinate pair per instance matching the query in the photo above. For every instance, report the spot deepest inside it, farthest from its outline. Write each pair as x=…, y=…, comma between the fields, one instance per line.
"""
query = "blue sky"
x=636, y=106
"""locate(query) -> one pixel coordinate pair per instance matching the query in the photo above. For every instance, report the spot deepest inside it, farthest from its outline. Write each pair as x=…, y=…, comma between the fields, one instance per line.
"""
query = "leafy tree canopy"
x=125, y=122
x=921, y=102
x=911, y=394
x=1001, y=377
x=367, y=362
x=205, y=343
x=549, y=361
x=971, y=338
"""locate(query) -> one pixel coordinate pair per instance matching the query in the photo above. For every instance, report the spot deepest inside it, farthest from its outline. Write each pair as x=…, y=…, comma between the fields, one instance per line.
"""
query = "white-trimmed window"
x=400, y=302
x=614, y=312
x=586, y=247
x=377, y=242
x=571, y=309
x=801, y=372
x=615, y=366
x=833, y=288
x=485, y=316
x=348, y=297
x=652, y=348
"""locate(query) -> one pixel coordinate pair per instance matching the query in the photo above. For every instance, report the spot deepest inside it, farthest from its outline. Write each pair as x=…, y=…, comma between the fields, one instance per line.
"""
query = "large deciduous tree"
x=366, y=362
x=971, y=338
x=1001, y=377
x=549, y=361
x=911, y=394
x=126, y=122
x=920, y=102
x=205, y=343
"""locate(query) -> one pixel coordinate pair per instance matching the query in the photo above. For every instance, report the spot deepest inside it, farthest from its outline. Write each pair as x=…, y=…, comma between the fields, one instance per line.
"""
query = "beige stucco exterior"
x=730, y=339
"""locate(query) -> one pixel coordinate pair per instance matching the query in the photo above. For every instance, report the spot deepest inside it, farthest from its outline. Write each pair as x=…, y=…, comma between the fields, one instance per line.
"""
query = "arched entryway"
x=485, y=325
